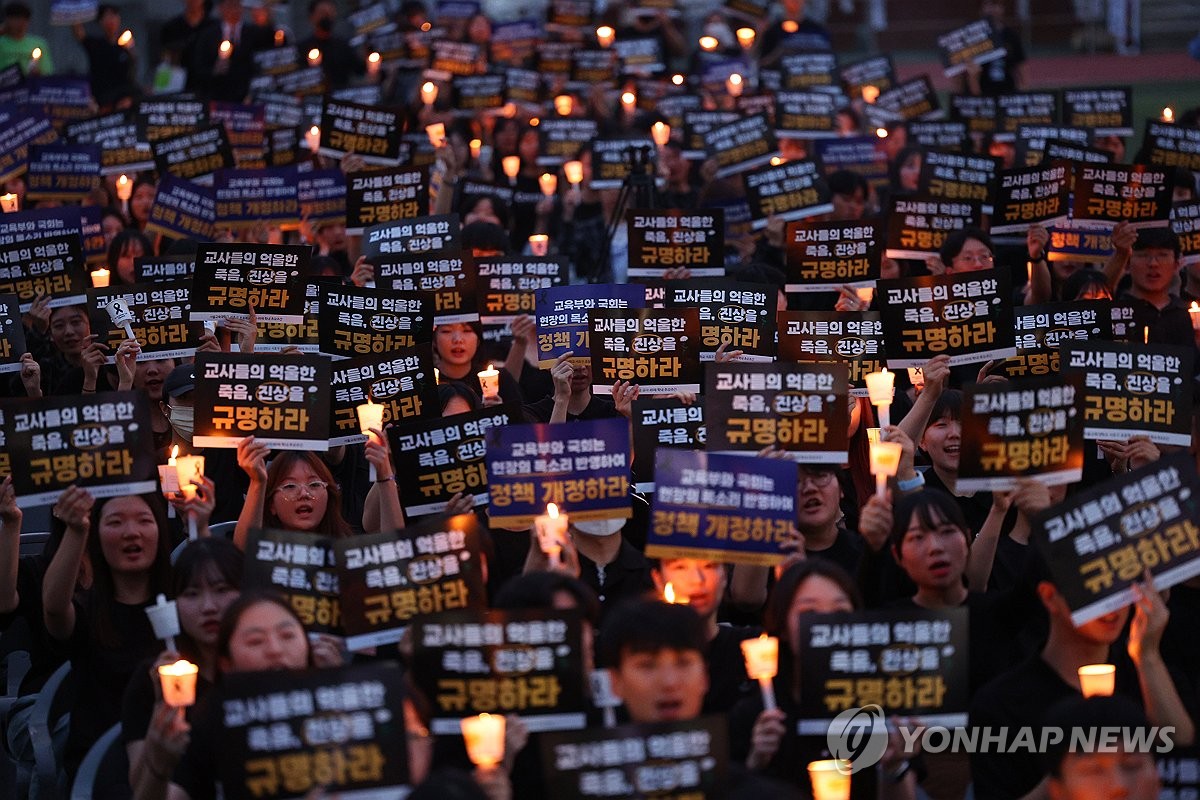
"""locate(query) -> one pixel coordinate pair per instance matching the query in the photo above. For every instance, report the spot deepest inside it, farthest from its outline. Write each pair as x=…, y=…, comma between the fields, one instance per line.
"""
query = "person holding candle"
x=111, y=65
x=226, y=75
x=458, y=357
x=140, y=203
x=124, y=248
x=1152, y=256
x=17, y=43
x=340, y=62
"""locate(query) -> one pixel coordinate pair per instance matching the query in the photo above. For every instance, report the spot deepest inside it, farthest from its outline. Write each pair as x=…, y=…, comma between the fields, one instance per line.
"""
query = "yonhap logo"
x=859, y=737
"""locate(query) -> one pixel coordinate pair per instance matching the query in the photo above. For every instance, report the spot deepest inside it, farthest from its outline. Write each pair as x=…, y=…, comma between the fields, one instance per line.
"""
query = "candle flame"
x=628, y=98
x=552, y=510
x=37, y=53
x=709, y=43
x=1168, y=114
x=125, y=38
x=226, y=46
x=1194, y=308
x=314, y=54
x=881, y=133
x=314, y=131
x=373, y=58
x=174, y=452
x=669, y=593
x=677, y=79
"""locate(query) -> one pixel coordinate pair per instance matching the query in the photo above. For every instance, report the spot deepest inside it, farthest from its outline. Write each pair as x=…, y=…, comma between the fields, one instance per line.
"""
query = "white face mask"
x=183, y=420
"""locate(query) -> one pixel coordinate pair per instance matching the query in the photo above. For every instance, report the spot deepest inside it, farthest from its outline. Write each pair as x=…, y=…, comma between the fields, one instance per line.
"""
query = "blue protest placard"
x=562, y=316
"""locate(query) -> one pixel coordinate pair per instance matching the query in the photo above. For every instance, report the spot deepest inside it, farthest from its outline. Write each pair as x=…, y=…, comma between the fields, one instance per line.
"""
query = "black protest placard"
x=384, y=195
x=791, y=191
x=946, y=135
x=554, y=59
x=1040, y=329
x=910, y=662
x=304, y=336
x=1185, y=221
x=1032, y=196
x=401, y=381
x=975, y=43
x=640, y=56
x=799, y=408
x=1033, y=140
x=1058, y=150
x=1133, y=389
x=448, y=278
x=443, y=457
x=101, y=442
x=182, y=210
x=246, y=127
x=811, y=115
x=657, y=349
x=515, y=42
x=120, y=149
x=562, y=139
x=163, y=117
x=359, y=322
x=23, y=128
x=527, y=662
x=389, y=581
x=1024, y=429
x=663, y=760
x=1109, y=194
x=289, y=733
x=455, y=58
x=156, y=269
x=412, y=237
x=561, y=313
x=62, y=172
x=507, y=285
x=917, y=226
x=863, y=155
x=194, y=155
x=1025, y=108
x=50, y=264
x=593, y=68
x=230, y=279
x=567, y=16
x=697, y=124
x=967, y=316
x=853, y=337
x=1100, y=541
x=613, y=160
x=1104, y=110
x=667, y=423
x=475, y=94
x=877, y=72
x=665, y=239
x=283, y=401
x=12, y=334
x=913, y=99
x=734, y=509
x=809, y=72
x=581, y=466
x=953, y=176
x=1168, y=145
x=523, y=86
x=160, y=319
x=978, y=113
x=369, y=132
x=825, y=256
x=301, y=567
x=740, y=316
x=248, y=198
x=322, y=196
x=742, y=145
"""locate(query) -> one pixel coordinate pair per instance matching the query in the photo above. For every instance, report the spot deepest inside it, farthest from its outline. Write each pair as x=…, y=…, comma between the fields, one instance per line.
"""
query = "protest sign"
x=917, y=226
x=182, y=210
x=566, y=16
x=727, y=508
x=248, y=198
x=301, y=567
x=811, y=115
x=23, y=128
x=799, y=408
x=953, y=176
x=442, y=457
x=401, y=381
x=72, y=12
x=1058, y=150
x=614, y=161
x=12, y=334
x=825, y=256
x=863, y=155
x=740, y=316
x=854, y=338
x=1107, y=195
x=65, y=172
x=1185, y=221
x=742, y=145
x=1166, y=144
x=411, y=237
x=913, y=99
x=194, y=155
x=449, y=279
x=246, y=127
x=1133, y=390
x=1026, y=429
x=1100, y=541
x=947, y=135
x=384, y=195
x=1105, y=110
x=562, y=317
x=877, y=72
x=160, y=319
x=101, y=442
x=1068, y=243
x=157, y=269
x=281, y=400
x=50, y=264
x=976, y=43
x=911, y=662
x=640, y=56
x=359, y=322
x=657, y=349
x=1040, y=329
x=665, y=239
x=370, y=132
x=232, y=279
x=390, y=580
x=1032, y=141
x=121, y=151
x=322, y=197
x=290, y=733
x=562, y=139
x=790, y=191
x=696, y=127
x=1024, y=108
x=507, y=284
x=477, y=94
x=662, y=422
x=978, y=112
x=514, y=43
x=455, y=58
x=161, y=117
x=1032, y=196
x=276, y=336
x=527, y=662
x=580, y=466
x=809, y=72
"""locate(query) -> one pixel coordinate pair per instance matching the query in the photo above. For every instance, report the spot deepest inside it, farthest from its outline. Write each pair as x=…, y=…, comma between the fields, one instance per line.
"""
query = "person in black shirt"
x=179, y=35
x=339, y=61
x=219, y=77
x=1004, y=75
x=795, y=33
x=1152, y=256
x=110, y=65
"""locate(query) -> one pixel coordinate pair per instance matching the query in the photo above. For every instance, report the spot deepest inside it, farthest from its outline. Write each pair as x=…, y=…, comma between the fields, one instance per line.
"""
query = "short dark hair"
x=784, y=591
x=650, y=626
x=954, y=243
x=1163, y=238
x=537, y=590
x=925, y=505
x=843, y=181
x=449, y=390
x=238, y=608
x=1080, y=281
x=1089, y=713
x=486, y=235
x=17, y=10
x=949, y=403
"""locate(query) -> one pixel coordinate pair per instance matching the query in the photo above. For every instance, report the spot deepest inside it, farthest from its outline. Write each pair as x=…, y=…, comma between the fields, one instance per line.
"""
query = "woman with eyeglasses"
x=296, y=493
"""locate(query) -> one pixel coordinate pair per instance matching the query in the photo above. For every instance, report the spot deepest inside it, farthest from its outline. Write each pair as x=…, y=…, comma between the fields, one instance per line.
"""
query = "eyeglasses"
x=291, y=491
x=818, y=479
x=977, y=258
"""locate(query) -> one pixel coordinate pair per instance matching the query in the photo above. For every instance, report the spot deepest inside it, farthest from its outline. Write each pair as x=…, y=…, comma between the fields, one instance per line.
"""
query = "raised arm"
x=252, y=457
x=74, y=509
x=10, y=546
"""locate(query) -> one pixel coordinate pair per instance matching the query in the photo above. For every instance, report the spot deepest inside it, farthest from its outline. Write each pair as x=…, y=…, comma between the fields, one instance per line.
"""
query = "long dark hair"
x=333, y=523
x=931, y=507
x=238, y=608
x=776, y=614
x=201, y=559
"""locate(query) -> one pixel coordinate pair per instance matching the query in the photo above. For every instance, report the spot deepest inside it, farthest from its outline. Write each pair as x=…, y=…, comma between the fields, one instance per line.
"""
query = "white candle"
x=124, y=188
x=225, y=50
x=511, y=166
x=100, y=278
x=628, y=102
x=429, y=93
x=314, y=57
x=873, y=435
x=762, y=663
x=164, y=620
x=476, y=146
x=605, y=35
x=551, y=529
x=564, y=104
x=178, y=683
x=830, y=779
x=370, y=415
x=745, y=37
x=548, y=183
x=484, y=736
x=1097, y=680
x=574, y=172
x=312, y=138
x=735, y=85
x=9, y=202
x=373, y=64
x=126, y=39
x=436, y=133
x=539, y=244
x=489, y=381
x=1194, y=311
x=661, y=133
x=885, y=460
x=879, y=388
x=35, y=58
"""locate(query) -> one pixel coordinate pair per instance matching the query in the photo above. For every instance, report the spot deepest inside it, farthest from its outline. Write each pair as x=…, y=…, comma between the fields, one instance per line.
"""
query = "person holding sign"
x=458, y=358
x=1153, y=259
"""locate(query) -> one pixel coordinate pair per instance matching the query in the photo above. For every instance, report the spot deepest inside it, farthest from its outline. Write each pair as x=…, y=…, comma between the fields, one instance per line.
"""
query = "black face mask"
x=325, y=24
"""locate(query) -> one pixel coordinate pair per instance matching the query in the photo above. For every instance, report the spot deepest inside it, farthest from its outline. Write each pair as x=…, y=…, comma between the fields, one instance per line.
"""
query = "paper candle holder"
x=484, y=736
x=1097, y=680
x=830, y=779
x=551, y=530
x=489, y=382
x=179, y=683
x=539, y=244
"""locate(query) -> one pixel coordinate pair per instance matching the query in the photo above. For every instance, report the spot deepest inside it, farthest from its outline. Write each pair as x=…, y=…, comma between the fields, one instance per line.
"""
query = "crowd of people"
x=922, y=545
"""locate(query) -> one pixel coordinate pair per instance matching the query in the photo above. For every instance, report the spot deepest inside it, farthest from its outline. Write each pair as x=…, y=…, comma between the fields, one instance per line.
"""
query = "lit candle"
x=121, y=316
x=790, y=26
x=762, y=662
x=1146, y=335
x=670, y=596
x=489, y=381
x=124, y=188
x=126, y=39
x=35, y=58
x=735, y=85
x=1194, y=311
x=551, y=529
x=9, y=202
x=709, y=43
x=436, y=133
x=661, y=133
x=1029, y=273
x=539, y=244
x=745, y=37
x=511, y=166
x=168, y=474
x=776, y=161
x=312, y=138
x=865, y=295
x=534, y=122
x=225, y=50
x=564, y=104
x=628, y=101
x=873, y=435
x=885, y=460
x=508, y=110
x=186, y=469
x=548, y=182
x=830, y=779
x=178, y=683
x=429, y=92
x=280, y=36
x=373, y=64
x=1168, y=114
x=574, y=172
x=870, y=94
x=1097, y=680
x=879, y=388
x=476, y=146
x=678, y=79
x=484, y=736
x=605, y=35
x=100, y=278
x=164, y=619
x=370, y=415
x=881, y=133
x=314, y=57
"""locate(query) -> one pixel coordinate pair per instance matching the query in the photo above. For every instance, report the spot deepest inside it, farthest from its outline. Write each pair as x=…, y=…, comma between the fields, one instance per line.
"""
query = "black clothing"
x=727, y=680
x=110, y=70
x=598, y=407
x=228, y=79
x=627, y=576
x=339, y=61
